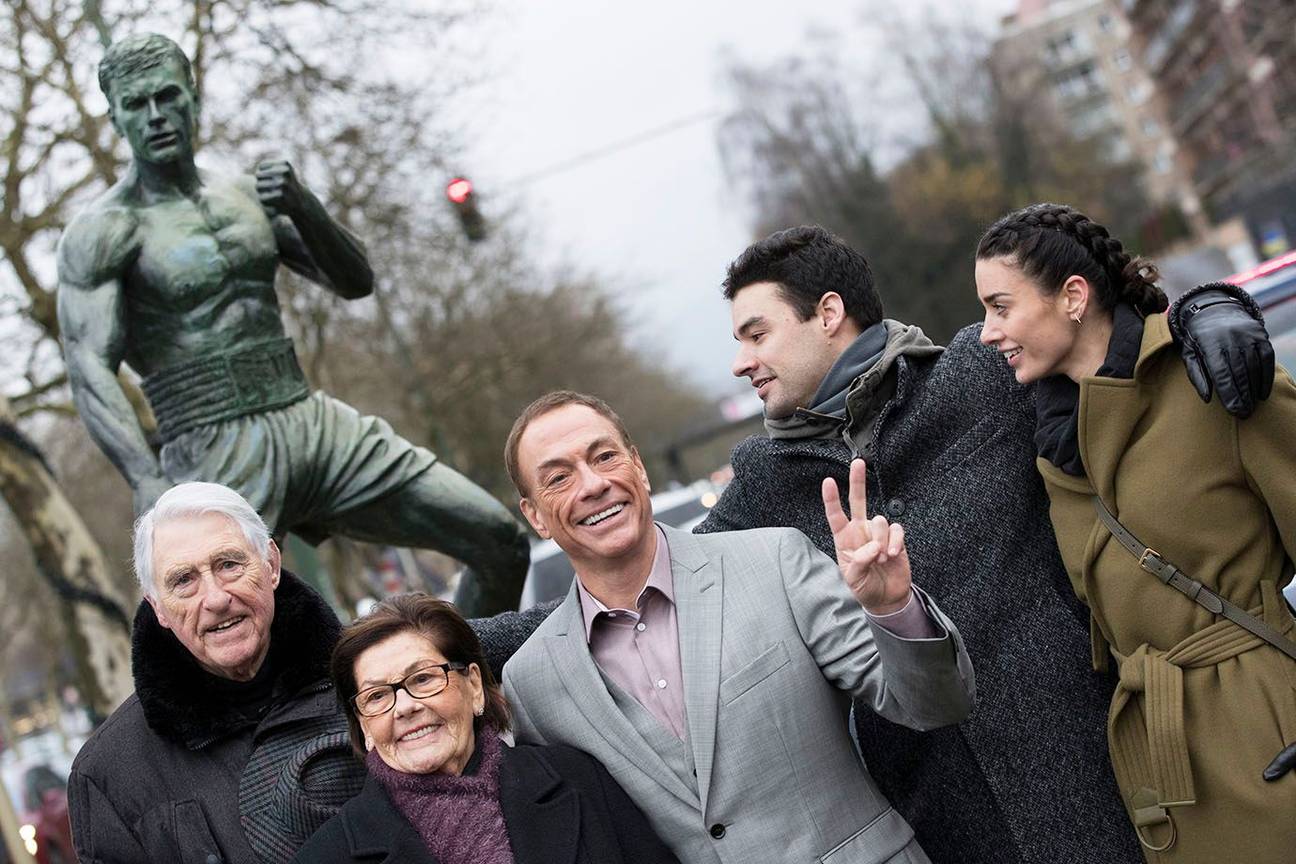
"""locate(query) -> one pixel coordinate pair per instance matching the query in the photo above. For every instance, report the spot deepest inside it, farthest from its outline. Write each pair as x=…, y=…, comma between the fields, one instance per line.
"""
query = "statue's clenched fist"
x=278, y=189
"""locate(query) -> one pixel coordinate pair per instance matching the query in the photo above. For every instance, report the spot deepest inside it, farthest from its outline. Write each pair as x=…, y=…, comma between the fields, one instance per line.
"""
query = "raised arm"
x=91, y=311
x=309, y=241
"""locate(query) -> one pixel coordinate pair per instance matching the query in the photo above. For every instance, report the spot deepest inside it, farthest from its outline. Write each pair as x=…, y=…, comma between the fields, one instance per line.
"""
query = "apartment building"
x=1074, y=60
x=1227, y=72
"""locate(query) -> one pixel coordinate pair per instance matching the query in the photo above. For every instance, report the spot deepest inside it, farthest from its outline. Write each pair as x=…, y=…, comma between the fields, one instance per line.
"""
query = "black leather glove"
x=1282, y=763
x=1222, y=336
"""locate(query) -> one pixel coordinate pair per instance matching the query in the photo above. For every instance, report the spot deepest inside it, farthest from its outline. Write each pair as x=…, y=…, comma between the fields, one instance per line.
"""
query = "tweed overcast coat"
x=952, y=459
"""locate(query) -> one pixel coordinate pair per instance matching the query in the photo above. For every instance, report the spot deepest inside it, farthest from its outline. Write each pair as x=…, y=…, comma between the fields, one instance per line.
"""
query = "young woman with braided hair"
x=1202, y=704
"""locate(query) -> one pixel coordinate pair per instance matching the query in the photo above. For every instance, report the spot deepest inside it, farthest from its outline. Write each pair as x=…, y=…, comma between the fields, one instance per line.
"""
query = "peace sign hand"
x=870, y=552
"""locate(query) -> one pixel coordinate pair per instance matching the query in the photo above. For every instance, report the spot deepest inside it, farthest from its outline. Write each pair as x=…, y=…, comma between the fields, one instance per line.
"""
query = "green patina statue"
x=172, y=270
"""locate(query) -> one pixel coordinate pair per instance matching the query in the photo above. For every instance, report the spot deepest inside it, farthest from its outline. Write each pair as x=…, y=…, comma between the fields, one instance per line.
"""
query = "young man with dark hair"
x=948, y=438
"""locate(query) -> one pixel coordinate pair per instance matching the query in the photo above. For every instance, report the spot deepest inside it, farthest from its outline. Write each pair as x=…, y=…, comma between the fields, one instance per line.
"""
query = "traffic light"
x=459, y=191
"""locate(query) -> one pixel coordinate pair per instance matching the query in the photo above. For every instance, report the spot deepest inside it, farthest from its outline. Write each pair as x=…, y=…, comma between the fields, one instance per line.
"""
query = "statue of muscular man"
x=172, y=271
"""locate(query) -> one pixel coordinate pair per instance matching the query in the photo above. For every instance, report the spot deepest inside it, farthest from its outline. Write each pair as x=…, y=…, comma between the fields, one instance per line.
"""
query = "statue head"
x=152, y=100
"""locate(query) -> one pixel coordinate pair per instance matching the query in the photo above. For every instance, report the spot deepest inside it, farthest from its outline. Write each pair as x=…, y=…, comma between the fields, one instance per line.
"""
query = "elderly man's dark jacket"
x=1026, y=778
x=559, y=805
x=160, y=780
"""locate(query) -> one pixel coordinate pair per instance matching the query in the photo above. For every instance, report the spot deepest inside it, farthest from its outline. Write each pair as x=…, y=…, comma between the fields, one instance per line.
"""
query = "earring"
x=368, y=744
x=477, y=712
x=1076, y=318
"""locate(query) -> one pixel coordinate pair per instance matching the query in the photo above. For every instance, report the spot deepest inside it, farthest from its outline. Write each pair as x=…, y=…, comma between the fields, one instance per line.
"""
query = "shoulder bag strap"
x=1151, y=561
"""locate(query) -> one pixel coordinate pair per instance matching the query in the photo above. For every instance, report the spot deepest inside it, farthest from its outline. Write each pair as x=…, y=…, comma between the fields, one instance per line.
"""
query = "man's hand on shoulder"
x=1225, y=346
x=871, y=553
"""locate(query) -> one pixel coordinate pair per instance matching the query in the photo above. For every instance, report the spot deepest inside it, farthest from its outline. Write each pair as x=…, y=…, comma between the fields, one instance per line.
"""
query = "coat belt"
x=1151, y=759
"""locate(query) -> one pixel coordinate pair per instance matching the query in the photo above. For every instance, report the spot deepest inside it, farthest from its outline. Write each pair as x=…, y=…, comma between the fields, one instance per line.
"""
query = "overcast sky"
x=569, y=76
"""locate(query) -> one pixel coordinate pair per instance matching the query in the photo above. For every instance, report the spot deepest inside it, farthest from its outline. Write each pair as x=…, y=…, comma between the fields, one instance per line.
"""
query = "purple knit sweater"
x=459, y=818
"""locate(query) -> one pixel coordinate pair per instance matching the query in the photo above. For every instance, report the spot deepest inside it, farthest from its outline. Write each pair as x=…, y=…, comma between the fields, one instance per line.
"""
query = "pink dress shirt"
x=639, y=648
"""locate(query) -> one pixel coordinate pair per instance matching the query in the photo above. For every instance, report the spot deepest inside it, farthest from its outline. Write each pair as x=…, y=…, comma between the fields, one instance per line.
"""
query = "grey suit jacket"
x=773, y=645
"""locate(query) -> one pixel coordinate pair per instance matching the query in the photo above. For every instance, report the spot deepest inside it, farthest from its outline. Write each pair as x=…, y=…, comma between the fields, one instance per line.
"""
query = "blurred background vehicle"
x=550, y=574
x=1273, y=285
x=34, y=773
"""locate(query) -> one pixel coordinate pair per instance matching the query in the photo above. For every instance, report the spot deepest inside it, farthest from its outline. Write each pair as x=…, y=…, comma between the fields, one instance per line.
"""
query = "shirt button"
x=717, y=831
x=661, y=683
x=641, y=626
x=611, y=614
x=895, y=508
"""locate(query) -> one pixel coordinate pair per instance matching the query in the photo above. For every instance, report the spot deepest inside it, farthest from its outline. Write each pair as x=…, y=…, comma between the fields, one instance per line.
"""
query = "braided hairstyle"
x=1052, y=242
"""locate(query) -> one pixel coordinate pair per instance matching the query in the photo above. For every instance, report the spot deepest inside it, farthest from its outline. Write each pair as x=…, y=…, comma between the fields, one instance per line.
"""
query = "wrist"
x=894, y=607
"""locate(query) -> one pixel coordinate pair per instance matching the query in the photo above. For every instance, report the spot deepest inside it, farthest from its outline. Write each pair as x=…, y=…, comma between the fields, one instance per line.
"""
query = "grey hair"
x=195, y=499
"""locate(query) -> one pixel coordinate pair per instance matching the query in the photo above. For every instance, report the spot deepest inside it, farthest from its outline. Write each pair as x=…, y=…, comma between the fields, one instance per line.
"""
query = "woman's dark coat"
x=560, y=807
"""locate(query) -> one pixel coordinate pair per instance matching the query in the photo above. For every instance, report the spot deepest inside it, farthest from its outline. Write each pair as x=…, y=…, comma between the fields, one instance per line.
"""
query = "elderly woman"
x=426, y=714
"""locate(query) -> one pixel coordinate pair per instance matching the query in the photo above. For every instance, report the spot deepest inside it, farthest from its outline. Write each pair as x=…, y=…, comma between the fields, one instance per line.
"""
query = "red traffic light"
x=459, y=189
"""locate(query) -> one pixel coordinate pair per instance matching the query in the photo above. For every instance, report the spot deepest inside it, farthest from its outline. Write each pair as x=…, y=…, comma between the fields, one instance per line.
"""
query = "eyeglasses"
x=423, y=682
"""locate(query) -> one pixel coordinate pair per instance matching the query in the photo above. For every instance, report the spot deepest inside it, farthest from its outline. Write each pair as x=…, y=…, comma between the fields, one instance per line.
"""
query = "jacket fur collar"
x=172, y=687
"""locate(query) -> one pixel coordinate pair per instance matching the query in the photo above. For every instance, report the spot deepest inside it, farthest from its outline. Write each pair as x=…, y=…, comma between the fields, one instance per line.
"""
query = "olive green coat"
x=1202, y=706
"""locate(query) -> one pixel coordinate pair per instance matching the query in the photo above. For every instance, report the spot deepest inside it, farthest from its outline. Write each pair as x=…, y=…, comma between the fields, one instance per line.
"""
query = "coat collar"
x=541, y=814
x=172, y=687
x=700, y=612
x=1156, y=338
x=1110, y=408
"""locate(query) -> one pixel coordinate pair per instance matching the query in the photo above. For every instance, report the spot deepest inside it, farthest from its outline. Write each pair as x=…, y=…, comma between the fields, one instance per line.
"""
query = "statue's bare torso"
x=197, y=273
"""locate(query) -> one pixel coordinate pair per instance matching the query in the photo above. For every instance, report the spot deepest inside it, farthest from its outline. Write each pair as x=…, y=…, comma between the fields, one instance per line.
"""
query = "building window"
x=1080, y=82
x=1138, y=92
x=1151, y=128
x=1106, y=23
x=1162, y=163
x=1123, y=60
x=1061, y=48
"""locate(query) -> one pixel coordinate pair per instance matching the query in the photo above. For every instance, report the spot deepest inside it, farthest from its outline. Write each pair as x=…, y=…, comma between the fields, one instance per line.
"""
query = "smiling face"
x=156, y=111
x=1034, y=332
x=432, y=735
x=214, y=592
x=785, y=358
x=586, y=489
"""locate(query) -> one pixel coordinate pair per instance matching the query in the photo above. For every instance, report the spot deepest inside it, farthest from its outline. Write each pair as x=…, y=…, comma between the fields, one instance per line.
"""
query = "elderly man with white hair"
x=232, y=748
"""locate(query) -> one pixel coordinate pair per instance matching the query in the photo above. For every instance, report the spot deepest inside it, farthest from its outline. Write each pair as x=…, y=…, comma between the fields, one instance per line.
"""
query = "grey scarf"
x=855, y=374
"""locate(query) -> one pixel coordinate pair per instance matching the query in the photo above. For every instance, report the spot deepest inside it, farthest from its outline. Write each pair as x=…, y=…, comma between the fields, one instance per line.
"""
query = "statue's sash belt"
x=219, y=387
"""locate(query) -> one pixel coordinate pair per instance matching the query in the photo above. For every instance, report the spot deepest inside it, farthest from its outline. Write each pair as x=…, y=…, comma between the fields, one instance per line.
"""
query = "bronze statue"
x=172, y=270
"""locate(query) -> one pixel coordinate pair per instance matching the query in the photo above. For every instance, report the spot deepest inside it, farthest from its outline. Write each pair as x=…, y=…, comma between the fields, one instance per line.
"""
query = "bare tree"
x=72, y=563
x=959, y=152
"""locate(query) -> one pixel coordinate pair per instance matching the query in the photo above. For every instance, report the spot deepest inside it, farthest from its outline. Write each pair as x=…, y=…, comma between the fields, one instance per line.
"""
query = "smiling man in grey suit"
x=712, y=674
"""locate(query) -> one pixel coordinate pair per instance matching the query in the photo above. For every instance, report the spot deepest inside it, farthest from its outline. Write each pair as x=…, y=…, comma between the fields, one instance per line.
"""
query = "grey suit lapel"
x=699, y=592
x=579, y=674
